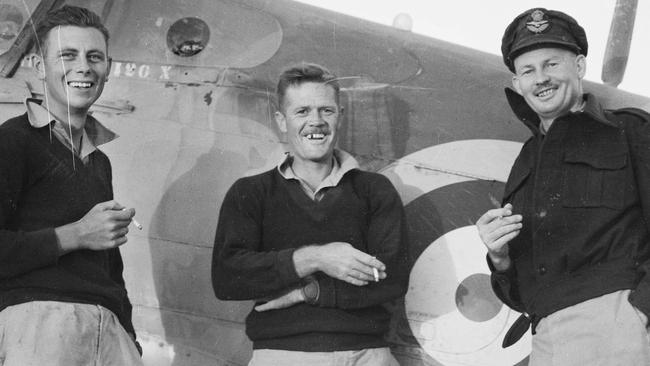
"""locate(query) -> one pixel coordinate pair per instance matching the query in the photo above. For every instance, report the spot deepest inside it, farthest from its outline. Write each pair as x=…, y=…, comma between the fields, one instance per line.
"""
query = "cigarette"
x=375, y=273
x=134, y=221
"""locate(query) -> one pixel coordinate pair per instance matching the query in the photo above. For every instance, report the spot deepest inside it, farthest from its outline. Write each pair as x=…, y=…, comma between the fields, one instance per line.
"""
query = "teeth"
x=80, y=84
x=545, y=93
x=316, y=136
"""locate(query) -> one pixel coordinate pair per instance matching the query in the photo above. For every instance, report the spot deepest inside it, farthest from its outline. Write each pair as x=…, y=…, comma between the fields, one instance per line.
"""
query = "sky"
x=479, y=24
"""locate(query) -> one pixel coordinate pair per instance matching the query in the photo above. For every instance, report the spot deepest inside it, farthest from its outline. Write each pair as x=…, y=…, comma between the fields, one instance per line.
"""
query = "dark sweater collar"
x=524, y=113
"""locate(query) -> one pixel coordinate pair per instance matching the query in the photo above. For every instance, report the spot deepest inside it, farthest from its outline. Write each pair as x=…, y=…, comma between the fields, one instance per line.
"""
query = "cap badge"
x=538, y=22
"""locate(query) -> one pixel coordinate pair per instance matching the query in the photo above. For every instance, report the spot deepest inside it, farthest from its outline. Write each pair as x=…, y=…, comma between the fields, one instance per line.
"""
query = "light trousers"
x=364, y=357
x=603, y=331
x=50, y=333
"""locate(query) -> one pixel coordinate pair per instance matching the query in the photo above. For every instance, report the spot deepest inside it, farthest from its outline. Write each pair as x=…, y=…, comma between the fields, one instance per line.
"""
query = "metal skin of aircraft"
x=191, y=94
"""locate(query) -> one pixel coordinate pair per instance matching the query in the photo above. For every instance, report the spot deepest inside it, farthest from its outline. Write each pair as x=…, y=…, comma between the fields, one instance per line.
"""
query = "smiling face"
x=549, y=79
x=310, y=118
x=75, y=67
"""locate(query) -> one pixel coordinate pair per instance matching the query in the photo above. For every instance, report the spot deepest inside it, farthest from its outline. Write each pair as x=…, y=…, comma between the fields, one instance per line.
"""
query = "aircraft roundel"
x=450, y=307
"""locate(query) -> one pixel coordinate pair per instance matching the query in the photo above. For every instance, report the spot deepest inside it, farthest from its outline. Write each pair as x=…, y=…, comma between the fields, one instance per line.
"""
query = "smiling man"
x=571, y=246
x=62, y=295
x=317, y=243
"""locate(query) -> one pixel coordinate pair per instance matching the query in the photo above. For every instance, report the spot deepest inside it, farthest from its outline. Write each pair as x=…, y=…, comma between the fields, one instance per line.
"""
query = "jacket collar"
x=526, y=114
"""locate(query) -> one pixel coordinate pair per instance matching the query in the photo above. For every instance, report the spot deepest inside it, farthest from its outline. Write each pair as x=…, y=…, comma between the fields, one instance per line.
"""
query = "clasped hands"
x=338, y=260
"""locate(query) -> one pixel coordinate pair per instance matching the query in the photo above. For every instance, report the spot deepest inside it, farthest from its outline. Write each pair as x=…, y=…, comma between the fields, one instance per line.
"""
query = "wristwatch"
x=311, y=291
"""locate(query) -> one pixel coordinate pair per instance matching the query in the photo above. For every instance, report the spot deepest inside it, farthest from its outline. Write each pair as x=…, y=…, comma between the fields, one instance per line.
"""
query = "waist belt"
x=519, y=328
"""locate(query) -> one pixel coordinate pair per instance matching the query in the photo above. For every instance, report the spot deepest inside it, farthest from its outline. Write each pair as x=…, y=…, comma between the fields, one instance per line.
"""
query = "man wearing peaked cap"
x=570, y=248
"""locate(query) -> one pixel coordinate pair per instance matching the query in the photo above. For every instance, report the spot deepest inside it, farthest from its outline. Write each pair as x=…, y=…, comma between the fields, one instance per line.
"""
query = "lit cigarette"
x=134, y=221
x=375, y=273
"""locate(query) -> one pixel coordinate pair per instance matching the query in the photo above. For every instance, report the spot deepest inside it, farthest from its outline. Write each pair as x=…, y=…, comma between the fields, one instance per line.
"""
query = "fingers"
x=370, y=268
x=504, y=230
x=354, y=281
x=370, y=261
x=289, y=299
x=494, y=214
x=503, y=240
x=265, y=307
x=108, y=205
x=120, y=232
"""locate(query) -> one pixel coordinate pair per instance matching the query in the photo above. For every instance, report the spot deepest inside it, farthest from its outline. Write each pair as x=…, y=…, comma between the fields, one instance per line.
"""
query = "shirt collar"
x=342, y=162
x=526, y=114
x=94, y=132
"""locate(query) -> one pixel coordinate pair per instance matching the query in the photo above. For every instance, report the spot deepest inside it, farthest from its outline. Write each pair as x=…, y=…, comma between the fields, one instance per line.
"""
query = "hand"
x=104, y=227
x=496, y=228
x=289, y=299
x=339, y=260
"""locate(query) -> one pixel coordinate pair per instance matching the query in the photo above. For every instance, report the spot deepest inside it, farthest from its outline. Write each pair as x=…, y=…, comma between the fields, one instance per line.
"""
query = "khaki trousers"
x=364, y=357
x=49, y=333
x=603, y=331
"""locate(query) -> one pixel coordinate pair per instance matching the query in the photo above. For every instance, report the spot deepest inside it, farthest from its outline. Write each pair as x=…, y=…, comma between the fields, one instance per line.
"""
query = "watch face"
x=311, y=292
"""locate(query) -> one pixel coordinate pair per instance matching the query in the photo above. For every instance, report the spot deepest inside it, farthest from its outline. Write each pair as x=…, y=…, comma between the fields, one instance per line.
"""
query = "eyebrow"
x=75, y=50
x=546, y=60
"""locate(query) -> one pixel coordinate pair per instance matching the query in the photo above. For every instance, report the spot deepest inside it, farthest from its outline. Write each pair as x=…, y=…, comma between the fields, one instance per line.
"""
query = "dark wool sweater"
x=39, y=191
x=265, y=218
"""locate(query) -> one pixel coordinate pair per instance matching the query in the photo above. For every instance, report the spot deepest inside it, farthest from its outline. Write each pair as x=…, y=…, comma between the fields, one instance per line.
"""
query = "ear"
x=515, y=84
x=339, y=118
x=581, y=64
x=281, y=121
x=108, y=70
x=39, y=65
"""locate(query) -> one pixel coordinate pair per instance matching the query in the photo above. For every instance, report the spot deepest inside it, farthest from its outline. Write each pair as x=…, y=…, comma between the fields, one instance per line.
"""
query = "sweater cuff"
x=327, y=296
x=286, y=267
x=43, y=245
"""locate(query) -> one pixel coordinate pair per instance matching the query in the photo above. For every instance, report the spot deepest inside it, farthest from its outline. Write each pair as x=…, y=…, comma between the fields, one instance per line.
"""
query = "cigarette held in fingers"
x=134, y=221
x=375, y=272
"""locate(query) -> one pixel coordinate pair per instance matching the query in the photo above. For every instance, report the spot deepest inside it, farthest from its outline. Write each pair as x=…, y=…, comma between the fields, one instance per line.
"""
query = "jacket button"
x=541, y=269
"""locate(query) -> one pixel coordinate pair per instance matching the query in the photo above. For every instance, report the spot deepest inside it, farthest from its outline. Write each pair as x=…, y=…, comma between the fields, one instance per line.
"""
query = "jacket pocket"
x=592, y=180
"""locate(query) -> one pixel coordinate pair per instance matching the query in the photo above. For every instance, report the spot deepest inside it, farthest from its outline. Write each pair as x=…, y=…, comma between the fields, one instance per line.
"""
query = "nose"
x=81, y=65
x=316, y=118
x=541, y=77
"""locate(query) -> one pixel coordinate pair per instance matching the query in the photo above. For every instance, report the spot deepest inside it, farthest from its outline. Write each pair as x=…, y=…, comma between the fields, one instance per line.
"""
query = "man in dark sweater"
x=317, y=243
x=62, y=294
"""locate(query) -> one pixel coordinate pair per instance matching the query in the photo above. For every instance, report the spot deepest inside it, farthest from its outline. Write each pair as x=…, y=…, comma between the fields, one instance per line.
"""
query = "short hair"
x=68, y=15
x=305, y=73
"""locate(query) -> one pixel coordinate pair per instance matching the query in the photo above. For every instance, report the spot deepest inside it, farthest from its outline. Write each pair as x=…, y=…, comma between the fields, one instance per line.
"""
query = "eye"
x=96, y=58
x=67, y=56
x=525, y=72
x=302, y=112
x=328, y=111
